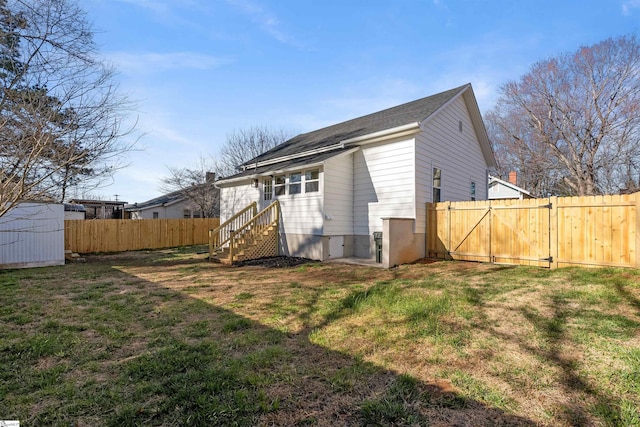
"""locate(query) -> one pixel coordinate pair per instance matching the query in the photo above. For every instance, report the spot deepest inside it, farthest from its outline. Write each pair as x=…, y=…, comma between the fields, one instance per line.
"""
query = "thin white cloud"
x=265, y=19
x=629, y=5
x=151, y=62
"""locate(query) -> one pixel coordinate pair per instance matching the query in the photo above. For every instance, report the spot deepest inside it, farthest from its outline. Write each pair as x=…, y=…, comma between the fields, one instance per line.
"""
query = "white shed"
x=32, y=235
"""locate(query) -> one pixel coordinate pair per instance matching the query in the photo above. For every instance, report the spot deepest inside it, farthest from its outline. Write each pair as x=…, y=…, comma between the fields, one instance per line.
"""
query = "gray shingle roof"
x=411, y=112
x=158, y=201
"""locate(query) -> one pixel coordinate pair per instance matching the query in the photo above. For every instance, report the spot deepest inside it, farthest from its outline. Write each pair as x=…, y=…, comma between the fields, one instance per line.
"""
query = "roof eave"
x=281, y=170
x=383, y=135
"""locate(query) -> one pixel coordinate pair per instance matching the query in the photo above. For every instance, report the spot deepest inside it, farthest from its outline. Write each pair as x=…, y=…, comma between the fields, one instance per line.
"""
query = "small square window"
x=311, y=175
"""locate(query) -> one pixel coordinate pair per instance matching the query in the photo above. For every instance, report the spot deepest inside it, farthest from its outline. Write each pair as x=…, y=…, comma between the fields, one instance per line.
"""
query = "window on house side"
x=279, y=185
x=186, y=213
x=473, y=191
x=311, y=181
x=267, y=188
x=156, y=215
x=295, y=183
x=437, y=184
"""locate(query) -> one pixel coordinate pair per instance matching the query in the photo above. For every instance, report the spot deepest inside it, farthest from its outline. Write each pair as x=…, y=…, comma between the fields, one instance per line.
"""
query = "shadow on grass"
x=130, y=352
x=553, y=331
x=630, y=298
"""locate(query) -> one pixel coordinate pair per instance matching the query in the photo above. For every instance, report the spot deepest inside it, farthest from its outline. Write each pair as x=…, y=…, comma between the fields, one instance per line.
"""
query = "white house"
x=340, y=184
x=500, y=189
x=176, y=204
x=171, y=205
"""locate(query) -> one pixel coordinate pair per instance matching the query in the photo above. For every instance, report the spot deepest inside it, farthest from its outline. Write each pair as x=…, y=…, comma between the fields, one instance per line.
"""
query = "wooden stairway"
x=247, y=235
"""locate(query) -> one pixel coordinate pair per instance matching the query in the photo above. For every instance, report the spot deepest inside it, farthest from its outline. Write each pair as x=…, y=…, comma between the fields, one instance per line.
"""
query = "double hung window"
x=311, y=181
x=280, y=185
x=295, y=183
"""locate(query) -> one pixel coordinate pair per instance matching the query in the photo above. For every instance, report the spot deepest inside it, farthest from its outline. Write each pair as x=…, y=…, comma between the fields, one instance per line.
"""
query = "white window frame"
x=308, y=181
x=267, y=188
x=280, y=189
x=275, y=186
x=294, y=183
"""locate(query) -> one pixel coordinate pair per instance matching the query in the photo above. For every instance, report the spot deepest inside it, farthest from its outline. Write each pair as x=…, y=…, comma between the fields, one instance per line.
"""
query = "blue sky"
x=200, y=69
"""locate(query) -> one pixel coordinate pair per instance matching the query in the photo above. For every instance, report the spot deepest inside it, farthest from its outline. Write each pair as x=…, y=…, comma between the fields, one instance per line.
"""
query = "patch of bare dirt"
x=275, y=262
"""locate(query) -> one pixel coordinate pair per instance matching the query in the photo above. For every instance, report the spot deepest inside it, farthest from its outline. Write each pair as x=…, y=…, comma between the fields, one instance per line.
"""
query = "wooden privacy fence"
x=552, y=232
x=116, y=235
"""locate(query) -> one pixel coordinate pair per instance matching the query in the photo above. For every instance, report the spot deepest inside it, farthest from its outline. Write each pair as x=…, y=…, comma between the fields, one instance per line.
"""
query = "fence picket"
x=558, y=231
x=118, y=235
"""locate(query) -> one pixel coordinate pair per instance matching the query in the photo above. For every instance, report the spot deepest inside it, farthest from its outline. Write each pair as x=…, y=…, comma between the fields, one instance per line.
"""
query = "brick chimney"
x=210, y=177
x=513, y=177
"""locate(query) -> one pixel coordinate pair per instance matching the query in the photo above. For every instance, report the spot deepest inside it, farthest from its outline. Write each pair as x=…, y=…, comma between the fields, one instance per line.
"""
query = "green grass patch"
x=92, y=344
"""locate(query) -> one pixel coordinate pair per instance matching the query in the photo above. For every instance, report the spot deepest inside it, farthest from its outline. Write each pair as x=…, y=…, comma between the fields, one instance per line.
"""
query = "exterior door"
x=336, y=246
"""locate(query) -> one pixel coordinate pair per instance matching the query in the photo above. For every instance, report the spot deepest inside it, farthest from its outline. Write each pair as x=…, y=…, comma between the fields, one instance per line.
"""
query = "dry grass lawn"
x=165, y=338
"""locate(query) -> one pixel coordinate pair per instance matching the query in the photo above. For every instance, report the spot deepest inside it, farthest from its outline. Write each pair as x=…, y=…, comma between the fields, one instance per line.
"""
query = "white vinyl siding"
x=302, y=213
x=234, y=199
x=456, y=153
x=383, y=184
x=338, y=195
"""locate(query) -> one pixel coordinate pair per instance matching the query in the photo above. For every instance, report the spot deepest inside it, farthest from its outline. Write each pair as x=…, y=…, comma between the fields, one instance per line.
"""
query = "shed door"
x=336, y=247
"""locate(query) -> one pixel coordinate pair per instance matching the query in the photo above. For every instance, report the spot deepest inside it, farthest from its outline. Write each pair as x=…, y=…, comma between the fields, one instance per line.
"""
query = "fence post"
x=553, y=232
x=426, y=230
x=637, y=197
x=448, y=248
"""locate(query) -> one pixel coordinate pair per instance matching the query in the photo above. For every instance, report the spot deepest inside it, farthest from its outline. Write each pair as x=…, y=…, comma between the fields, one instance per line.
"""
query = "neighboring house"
x=101, y=209
x=171, y=205
x=32, y=235
x=74, y=211
x=337, y=184
x=499, y=189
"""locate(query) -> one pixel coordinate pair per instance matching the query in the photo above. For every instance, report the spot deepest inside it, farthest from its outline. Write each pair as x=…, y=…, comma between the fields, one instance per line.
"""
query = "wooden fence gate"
x=551, y=232
x=508, y=232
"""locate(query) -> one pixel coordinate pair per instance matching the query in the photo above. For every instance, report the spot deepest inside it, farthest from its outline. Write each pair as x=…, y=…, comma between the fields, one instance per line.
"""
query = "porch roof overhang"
x=284, y=166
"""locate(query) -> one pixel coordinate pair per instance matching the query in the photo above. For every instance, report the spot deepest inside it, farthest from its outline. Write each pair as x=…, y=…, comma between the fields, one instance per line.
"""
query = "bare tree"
x=196, y=184
x=61, y=116
x=245, y=144
x=574, y=119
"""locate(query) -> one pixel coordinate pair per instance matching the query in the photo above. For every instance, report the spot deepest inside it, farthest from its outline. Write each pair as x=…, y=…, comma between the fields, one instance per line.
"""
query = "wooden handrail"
x=221, y=235
x=249, y=230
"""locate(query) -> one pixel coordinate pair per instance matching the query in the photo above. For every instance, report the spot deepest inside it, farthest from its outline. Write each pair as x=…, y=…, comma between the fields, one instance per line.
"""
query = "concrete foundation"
x=400, y=245
x=363, y=247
